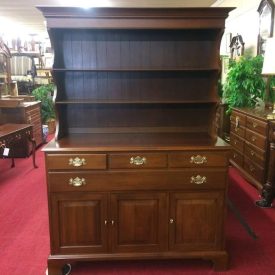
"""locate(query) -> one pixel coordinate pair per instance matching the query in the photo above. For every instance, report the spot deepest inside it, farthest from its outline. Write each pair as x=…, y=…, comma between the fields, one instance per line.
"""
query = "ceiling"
x=17, y=16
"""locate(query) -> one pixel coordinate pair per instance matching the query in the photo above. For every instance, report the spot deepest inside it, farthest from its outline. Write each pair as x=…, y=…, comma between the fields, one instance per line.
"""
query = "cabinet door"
x=139, y=222
x=78, y=223
x=196, y=221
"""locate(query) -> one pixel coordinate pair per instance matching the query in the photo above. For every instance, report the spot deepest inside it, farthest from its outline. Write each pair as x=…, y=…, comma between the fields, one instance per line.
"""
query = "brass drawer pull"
x=77, y=162
x=77, y=182
x=198, y=159
x=255, y=125
x=171, y=221
x=252, y=153
x=253, y=138
x=251, y=168
x=138, y=160
x=237, y=121
x=235, y=142
x=198, y=179
x=234, y=156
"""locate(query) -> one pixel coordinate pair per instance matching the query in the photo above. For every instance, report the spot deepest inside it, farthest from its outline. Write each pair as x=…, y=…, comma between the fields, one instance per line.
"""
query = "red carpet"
x=24, y=237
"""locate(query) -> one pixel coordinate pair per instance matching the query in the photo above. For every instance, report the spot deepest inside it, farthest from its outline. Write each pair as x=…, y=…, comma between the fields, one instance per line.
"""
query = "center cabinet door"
x=79, y=223
x=140, y=222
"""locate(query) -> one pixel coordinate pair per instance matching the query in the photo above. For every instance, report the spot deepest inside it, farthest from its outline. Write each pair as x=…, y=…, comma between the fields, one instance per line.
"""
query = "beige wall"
x=244, y=20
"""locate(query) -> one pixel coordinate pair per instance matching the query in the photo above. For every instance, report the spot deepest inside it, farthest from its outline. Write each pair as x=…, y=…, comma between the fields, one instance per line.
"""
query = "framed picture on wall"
x=266, y=15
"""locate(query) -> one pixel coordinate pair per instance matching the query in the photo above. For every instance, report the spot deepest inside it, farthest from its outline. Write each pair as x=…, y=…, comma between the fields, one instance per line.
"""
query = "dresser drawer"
x=237, y=142
x=137, y=160
x=238, y=119
x=198, y=159
x=240, y=131
x=76, y=161
x=254, y=170
x=141, y=180
x=255, y=139
x=255, y=154
x=256, y=125
x=236, y=157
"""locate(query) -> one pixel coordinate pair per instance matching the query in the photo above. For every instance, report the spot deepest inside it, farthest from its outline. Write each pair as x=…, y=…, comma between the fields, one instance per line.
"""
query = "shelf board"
x=132, y=101
x=140, y=69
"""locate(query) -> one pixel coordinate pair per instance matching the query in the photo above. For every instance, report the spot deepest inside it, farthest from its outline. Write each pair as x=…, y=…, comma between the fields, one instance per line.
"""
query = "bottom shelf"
x=136, y=141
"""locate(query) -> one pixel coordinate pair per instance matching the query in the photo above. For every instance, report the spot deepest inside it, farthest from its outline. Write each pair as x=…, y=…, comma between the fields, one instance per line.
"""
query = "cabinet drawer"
x=137, y=180
x=255, y=154
x=198, y=159
x=76, y=161
x=239, y=131
x=137, y=160
x=255, y=139
x=238, y=119
x=237, y=142
x=256, y=125
x=254, y=170
x=236, y=157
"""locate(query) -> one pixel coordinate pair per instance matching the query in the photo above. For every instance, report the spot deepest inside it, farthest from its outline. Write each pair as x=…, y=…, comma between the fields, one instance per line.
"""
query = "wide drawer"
x=137, y=180
x=236, y=157
x=138, y=160
x=237, y=142
x=256, y=125
x=255, y=154
x=255, y=139
x=254, y=170
x=198, y=159
x=76, y=161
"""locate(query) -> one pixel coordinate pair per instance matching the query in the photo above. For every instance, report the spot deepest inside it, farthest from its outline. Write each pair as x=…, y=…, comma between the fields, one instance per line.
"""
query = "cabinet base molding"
x=220, y=259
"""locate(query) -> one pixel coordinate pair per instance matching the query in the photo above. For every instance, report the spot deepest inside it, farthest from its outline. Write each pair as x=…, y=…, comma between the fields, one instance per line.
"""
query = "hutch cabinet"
x=136, y=170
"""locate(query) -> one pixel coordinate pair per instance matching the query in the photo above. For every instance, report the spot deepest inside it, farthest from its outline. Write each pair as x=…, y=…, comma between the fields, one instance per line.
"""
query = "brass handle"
x=77, y=182
x=253, y=138
x=234, y=155
x=198, y=159
x=255, y=125
x=105, y=222
x=198, y=179
x=171, y=221
x=112, y=222
x=252, y=153
x=237, y=121
x=138, y=160
x=251, y=168
x=235, y=142
x=77, y=162
x=236, y=129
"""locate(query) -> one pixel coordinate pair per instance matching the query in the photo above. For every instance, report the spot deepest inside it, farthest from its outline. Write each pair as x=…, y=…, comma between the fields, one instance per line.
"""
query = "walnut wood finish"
x=136, y=170
x=252, y=150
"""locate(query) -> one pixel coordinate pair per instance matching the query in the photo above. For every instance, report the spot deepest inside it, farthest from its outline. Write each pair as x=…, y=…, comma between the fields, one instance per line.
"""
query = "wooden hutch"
x=136, y=170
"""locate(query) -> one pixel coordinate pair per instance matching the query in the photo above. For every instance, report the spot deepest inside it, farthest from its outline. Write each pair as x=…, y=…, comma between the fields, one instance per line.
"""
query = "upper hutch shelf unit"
x=136, y=169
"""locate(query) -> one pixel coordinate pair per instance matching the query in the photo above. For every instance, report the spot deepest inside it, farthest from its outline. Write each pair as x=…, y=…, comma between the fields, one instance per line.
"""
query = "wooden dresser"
x=25, y=113
x=250, y=143
x=136, y=170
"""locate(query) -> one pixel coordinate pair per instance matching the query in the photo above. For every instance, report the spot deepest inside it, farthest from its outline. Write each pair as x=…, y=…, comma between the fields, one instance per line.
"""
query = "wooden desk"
x=11, y=136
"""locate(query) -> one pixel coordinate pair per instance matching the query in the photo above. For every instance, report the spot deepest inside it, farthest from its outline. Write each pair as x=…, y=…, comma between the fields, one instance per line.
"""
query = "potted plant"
x=244, y=85
x=44, y=93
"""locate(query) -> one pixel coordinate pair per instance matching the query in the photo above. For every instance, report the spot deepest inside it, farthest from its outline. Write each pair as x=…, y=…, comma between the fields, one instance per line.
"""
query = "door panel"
x=79, y=223
x=196, y=221
x=140, y=222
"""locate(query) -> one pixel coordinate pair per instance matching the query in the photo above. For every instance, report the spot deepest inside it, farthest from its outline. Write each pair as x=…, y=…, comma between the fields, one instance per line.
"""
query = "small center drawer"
x=137, y=160
x=198, y=159
x=76, y=161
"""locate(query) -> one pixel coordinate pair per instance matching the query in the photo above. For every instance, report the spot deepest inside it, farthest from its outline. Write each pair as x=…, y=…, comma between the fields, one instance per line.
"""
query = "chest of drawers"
x=250, y=144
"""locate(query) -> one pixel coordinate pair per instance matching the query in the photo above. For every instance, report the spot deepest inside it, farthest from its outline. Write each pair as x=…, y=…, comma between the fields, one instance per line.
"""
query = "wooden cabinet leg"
x=220, y=263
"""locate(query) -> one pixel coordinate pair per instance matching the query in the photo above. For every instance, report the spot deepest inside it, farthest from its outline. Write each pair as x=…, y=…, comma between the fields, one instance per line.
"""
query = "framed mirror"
x=266, y=15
